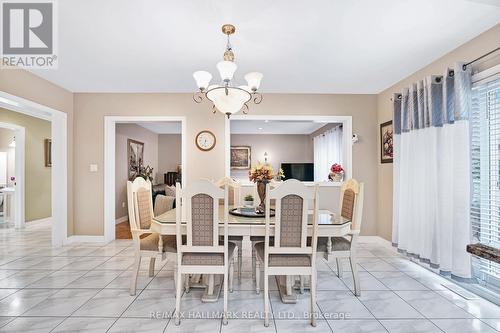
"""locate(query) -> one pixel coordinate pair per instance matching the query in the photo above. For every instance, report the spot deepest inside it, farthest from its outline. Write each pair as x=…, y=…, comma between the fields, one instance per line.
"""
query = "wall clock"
x=205, y=140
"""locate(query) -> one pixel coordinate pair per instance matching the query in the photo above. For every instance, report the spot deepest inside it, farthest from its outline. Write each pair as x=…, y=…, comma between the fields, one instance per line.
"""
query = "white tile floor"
x=84, y=288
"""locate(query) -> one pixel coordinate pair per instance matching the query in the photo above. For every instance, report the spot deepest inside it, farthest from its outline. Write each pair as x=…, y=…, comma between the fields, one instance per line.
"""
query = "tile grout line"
x=55, y=291
x=142, y=290
x=66, y=317
x=100, y=290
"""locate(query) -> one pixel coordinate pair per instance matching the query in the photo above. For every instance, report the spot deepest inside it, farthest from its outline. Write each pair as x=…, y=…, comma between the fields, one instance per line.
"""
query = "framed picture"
x=386, y=149
x=240, y=157
x=47, y=145
x=135, y=157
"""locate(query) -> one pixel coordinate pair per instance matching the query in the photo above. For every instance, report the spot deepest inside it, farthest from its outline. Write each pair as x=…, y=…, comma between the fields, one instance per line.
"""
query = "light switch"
x=93, y=168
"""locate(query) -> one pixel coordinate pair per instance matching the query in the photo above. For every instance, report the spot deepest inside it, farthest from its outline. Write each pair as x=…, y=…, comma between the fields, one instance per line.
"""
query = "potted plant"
x=336, y=173
x=248, y=200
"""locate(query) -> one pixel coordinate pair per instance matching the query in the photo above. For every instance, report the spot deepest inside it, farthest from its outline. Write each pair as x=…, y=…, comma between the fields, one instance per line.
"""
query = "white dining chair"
x=256, y=239
x=203, y=252
x=234, y=199
x=350, y=208
x=147, y=244
x=289, y=254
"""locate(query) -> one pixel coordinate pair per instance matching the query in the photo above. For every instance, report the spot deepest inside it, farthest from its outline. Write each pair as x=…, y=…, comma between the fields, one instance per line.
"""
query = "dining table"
x=328, y=226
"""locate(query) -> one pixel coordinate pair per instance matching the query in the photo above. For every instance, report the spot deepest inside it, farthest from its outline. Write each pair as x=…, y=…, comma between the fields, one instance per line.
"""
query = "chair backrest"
x=140, y=204
x=234, y=190
x=200, y=202
x=290, y=227
x=351, y=202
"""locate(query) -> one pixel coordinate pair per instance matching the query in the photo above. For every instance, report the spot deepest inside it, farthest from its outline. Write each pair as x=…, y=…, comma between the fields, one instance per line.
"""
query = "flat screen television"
x=300, y=171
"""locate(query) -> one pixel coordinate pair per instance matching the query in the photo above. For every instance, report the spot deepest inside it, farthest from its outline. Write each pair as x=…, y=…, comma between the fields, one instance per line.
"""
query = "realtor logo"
x=28, y=31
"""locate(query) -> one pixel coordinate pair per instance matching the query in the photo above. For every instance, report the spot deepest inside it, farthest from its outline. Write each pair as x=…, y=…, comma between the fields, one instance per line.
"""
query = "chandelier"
x=226, y=97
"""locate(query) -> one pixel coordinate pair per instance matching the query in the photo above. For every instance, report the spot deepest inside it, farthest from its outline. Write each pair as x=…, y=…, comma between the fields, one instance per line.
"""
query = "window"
x=485, y=168
x=328, y=149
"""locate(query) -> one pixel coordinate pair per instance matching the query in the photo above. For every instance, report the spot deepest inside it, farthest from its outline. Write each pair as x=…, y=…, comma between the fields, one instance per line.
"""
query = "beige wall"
x=90, y=110
x=29, y=86
x=169, y=154
x=150, y=140
x=37, y=176
x=289, y=148
x=478, y=46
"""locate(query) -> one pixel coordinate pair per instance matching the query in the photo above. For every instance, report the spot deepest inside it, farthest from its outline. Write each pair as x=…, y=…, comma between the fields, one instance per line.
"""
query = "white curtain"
x=431, y=187
x=327, y=151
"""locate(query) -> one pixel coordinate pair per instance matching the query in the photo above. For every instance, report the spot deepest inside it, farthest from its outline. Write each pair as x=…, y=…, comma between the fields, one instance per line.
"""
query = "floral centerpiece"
x=261, y=174
x=336, y=173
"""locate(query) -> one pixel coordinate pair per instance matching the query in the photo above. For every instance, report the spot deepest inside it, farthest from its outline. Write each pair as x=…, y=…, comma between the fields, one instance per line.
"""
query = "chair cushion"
x=150, y=243
x=338, y=244
x=163, y=204
x=170, y=191
x=283, y=260
x=207, y=259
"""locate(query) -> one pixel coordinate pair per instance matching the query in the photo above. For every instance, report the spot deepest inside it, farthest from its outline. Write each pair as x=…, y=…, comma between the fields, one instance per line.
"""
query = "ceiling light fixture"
x=226, y=97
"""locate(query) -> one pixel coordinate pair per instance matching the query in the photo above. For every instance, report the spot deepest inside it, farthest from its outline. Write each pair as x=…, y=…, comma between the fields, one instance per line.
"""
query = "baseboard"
x=376, y=239
x=45, y=219
x=121, y=219
x=84, y=239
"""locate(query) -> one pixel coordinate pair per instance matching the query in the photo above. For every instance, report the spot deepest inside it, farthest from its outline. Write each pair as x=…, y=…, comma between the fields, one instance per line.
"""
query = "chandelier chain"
x=228, y=45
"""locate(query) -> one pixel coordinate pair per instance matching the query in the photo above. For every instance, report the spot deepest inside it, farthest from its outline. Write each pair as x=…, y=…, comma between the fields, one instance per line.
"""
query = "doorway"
x=12, y=177
x=129, y=127
x=59, y=167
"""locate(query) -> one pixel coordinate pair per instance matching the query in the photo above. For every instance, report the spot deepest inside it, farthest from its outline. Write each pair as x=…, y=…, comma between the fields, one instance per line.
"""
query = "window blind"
x=485, y=177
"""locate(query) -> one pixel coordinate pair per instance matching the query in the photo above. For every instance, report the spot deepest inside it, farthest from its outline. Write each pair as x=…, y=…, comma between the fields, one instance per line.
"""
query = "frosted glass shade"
x=202, y=79
x=253, y=80
x=226, y=70
x=230, y=103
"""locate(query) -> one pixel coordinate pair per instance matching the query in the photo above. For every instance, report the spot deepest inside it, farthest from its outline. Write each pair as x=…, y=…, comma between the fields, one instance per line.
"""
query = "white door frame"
x=19, y=133
x=109, y=163
x=59, y=182
x=346, y=122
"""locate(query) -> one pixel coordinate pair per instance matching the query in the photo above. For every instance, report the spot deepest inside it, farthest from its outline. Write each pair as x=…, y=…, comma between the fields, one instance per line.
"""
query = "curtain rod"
x=481, y=57
x=471, y=62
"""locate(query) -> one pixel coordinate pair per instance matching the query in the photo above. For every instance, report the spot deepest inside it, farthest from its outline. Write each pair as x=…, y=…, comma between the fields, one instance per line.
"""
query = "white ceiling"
x=317, y=46
x=162, y=127
x=274, y=127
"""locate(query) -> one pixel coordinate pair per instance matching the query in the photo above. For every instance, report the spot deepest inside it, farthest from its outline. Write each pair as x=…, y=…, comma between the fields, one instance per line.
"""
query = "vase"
x=337, y=176
x=261, y=191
